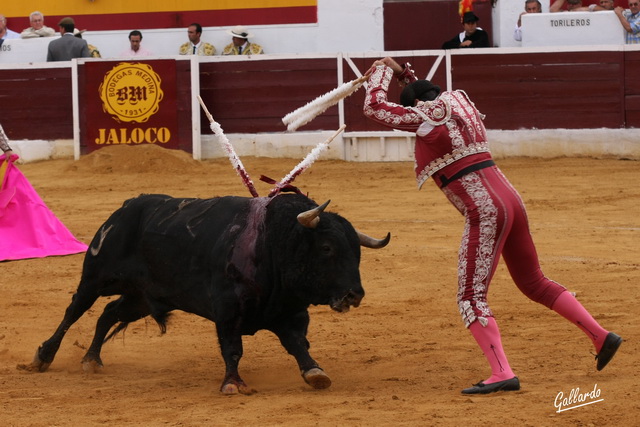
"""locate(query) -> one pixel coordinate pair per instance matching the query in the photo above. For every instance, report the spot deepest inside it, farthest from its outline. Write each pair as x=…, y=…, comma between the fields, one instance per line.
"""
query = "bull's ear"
x=370, y=242
x=311, y=218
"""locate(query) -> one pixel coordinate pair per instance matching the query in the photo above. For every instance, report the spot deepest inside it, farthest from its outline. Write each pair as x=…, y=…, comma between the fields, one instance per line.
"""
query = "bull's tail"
x=119, y=327
x=161, y=319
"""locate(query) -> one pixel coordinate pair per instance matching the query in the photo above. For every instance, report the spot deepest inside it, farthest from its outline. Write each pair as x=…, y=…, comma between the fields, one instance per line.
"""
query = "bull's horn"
x=311, y=218
x=370, y=242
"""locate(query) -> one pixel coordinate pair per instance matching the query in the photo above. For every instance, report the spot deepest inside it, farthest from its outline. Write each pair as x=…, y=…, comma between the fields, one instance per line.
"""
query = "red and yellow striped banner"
x=124, y=15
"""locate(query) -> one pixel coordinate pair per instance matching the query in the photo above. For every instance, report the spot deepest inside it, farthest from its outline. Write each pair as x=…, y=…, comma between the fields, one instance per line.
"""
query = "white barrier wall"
x=343, y=26
x=389, y=146
x=505, y=16
x=348, y=26
x=572, y=29
x=25, y=51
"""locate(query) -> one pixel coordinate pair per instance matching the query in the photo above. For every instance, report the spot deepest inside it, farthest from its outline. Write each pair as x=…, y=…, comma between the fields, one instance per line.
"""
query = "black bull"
x=245, y=263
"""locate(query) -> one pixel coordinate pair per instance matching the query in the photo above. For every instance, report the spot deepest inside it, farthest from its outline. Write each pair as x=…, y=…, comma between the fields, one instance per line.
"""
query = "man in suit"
x=67, y=46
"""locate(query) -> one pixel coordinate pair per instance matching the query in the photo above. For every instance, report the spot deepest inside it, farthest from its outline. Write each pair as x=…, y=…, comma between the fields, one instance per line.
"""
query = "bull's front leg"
x=293, y=336
x=231, y=347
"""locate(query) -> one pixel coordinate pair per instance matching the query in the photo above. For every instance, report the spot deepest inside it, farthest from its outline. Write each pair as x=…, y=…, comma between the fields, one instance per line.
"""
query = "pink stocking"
x=488, y=338
x=570, y=308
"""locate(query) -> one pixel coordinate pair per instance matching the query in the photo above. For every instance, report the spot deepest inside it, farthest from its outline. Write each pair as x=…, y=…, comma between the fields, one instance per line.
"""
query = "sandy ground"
x=401, y=358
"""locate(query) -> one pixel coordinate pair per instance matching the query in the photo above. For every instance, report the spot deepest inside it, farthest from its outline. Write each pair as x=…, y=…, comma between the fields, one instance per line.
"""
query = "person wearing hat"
x=67, y=46
x=37, y=28
x=472, y=36
x=195, y=46
x=240, y=43
x=93, y=51
x=452, y=148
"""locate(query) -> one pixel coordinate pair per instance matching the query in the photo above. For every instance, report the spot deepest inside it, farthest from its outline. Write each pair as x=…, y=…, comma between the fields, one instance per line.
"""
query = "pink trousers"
x=495, y=224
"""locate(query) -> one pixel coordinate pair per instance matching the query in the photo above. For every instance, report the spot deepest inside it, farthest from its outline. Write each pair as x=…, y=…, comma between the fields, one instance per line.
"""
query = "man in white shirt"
x=5, y=33
x=135, y=38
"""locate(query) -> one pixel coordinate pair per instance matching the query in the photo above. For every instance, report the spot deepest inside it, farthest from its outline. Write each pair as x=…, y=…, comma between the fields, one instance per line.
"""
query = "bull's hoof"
x=92, y=366
x=317, y=379
x=231, y=389
x=37, y=365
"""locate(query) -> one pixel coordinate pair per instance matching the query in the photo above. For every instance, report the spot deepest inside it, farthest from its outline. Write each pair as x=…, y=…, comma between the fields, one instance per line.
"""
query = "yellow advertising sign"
x=131, y=92
x=132, y=103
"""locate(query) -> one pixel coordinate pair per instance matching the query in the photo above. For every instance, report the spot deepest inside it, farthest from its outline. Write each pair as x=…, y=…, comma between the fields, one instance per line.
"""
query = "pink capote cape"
x=28, y=229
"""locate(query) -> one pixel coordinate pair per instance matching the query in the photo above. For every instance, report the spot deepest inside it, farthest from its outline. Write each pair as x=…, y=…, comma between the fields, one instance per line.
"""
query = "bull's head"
x=311, y=218
x=321, y=254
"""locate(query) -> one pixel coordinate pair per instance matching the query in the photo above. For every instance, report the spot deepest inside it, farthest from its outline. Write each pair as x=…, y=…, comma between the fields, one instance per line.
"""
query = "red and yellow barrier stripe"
x=122, y=15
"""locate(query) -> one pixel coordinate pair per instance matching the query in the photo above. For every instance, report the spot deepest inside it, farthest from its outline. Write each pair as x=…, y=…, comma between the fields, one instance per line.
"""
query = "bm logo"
x=131, y=92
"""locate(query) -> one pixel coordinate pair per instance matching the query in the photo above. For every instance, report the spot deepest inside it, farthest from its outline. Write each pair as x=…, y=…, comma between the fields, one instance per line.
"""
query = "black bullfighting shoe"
x=511, y=384
x=608, y=350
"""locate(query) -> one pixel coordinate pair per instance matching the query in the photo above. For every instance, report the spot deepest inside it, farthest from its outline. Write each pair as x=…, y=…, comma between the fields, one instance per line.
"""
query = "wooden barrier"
x=527, y=88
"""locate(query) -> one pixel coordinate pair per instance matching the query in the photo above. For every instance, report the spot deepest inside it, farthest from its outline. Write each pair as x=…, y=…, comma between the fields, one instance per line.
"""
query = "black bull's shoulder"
x=245, y=263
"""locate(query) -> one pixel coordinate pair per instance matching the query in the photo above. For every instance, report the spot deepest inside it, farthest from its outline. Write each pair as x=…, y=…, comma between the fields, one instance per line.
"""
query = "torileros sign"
x=136, y=104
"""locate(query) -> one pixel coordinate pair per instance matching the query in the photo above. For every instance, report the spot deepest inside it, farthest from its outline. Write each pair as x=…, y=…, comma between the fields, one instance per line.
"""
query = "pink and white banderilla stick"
x=305, y=163
x=226, y=145
x=313, y=109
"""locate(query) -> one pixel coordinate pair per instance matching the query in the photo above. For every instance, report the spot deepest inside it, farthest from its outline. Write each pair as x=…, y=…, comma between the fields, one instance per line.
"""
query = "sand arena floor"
x=401, y=358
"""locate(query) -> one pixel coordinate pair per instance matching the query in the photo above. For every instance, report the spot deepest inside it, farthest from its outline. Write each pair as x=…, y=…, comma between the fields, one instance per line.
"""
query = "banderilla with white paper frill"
x=226, y=145
x=305, y=163
x=313, y=109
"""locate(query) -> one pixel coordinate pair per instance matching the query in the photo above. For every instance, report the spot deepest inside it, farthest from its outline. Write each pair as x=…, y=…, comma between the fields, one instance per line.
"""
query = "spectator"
x=560, y=6
x=472, y=36
x=604, y=5
x=630, y=20
x=135, y=38
x=240, y=43
x=37, y=28
x=530, y=6
x=195, y=46
x=607, y=4
x=93, y=51
x=67, y=46
x=5, y=33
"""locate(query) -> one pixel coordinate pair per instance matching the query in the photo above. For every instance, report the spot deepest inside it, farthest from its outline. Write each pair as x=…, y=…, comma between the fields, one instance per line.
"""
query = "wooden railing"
x=523, y=88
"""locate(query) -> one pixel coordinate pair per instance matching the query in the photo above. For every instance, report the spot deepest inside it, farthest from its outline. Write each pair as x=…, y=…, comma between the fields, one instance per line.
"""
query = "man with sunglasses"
x=630, y=20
